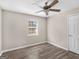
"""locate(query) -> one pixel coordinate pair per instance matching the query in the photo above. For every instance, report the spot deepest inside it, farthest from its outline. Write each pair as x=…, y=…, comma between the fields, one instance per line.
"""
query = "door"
x=73, y=33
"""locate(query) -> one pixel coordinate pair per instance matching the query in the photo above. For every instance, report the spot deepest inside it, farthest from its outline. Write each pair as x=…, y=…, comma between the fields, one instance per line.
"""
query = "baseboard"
x=58, y=46
x=0, y=53
x=22, y=47
x=31, y=45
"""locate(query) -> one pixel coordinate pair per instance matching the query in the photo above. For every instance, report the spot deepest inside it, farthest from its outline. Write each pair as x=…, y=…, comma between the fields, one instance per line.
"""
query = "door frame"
x=0, y=31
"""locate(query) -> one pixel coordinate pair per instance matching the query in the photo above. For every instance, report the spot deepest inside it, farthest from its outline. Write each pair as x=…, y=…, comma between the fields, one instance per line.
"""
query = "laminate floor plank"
x=41, y=51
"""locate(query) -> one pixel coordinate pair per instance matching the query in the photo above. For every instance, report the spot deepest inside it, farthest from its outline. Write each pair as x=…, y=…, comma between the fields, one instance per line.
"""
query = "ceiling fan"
x=47, y=7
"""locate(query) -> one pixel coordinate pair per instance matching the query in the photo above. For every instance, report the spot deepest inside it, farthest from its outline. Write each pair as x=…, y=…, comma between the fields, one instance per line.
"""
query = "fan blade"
x=56, y=10
x=53, y=3
x=46, y=2
x=37, y=5
x=39, y=11
x=46, y=12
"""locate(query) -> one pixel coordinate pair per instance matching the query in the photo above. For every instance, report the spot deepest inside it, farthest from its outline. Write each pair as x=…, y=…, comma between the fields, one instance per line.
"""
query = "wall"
x=0, y=29
x=15, y=30
x=58, y=28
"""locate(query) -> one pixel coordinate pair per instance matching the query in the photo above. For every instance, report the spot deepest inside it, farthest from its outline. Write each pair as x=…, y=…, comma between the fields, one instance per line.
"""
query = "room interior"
x=24, y=24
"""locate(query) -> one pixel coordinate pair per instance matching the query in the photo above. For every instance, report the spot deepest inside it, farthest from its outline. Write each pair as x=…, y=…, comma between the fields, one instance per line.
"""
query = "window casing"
x=32, y=28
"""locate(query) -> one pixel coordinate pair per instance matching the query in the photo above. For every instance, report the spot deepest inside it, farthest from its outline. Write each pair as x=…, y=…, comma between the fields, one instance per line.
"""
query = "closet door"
x=73, y=33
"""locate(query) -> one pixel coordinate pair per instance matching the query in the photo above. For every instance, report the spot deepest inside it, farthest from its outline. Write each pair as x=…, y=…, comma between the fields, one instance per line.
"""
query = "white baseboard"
x=32, y=45
x=1, y=53
x=22, y=47
x=57, y=46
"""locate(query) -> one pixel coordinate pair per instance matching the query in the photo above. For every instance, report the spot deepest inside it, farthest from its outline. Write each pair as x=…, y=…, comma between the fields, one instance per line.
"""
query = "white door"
x=73, y=33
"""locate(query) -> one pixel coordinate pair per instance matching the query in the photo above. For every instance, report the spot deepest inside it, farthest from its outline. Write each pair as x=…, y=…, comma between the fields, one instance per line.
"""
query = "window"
x=32, y=28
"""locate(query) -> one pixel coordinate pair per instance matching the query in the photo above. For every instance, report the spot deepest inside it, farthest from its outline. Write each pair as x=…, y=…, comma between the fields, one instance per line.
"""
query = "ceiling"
x=28, y=6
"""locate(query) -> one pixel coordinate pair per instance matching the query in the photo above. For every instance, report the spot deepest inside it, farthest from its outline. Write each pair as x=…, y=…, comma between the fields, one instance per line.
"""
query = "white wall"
x=58, y=28
x=15, y=30
x=0, y=29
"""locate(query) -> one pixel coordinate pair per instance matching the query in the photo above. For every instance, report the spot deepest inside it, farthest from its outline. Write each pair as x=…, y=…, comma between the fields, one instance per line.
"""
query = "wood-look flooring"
x=42, y=51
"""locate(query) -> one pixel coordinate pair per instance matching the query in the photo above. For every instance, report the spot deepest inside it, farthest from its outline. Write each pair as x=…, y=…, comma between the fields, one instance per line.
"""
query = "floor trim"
x=0, y=53
x=22, y=47
x=32, y=45
x=58, y=46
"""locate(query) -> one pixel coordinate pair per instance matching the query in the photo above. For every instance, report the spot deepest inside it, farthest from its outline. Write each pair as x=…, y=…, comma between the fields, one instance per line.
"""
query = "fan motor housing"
x=46, y=7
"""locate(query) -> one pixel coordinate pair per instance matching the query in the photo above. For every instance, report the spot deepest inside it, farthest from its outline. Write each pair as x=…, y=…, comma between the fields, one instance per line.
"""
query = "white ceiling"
x=27, y=6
